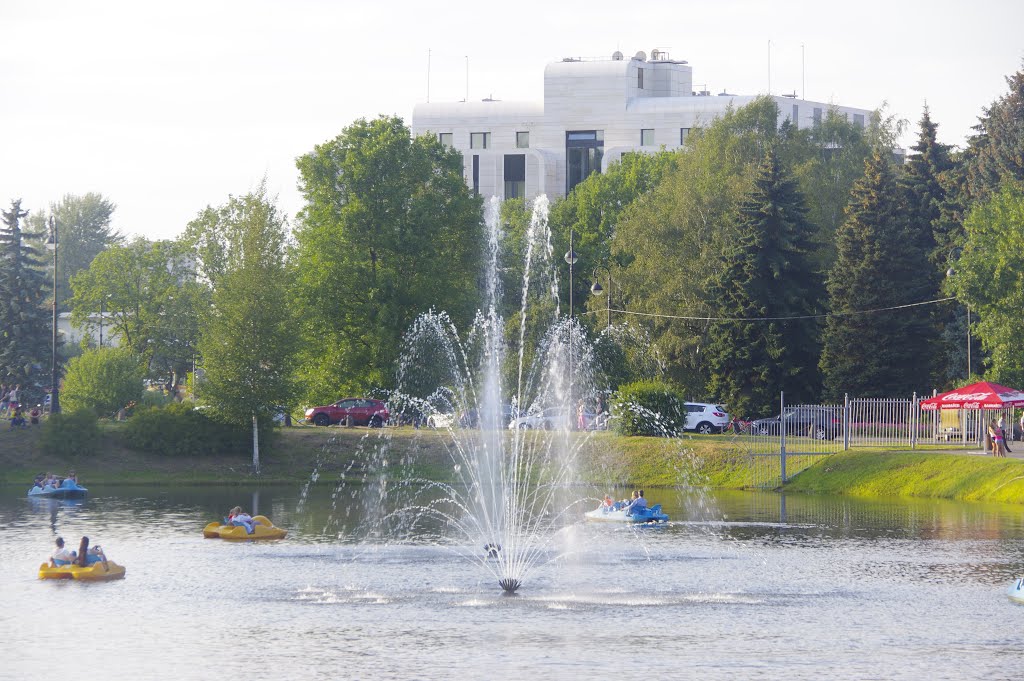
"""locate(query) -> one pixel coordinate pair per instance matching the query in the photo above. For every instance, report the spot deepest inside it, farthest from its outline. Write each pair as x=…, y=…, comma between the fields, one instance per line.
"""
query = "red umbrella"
x=982, y=395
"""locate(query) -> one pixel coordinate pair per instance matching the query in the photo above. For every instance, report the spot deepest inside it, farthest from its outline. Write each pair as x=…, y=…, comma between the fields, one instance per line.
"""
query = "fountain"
x=507, y=494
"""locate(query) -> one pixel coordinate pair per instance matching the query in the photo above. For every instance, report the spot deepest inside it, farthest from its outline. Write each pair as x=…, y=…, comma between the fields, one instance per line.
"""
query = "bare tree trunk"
x=255, y=446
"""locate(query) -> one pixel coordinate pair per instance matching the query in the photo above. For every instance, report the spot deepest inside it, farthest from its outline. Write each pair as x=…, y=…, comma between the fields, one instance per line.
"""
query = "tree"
x=989, y=278
x=248, y=336
x=389, y=231
x=867, y=352
x=26, y=325
x=102, y=381
x=766, y=276
x=150, y=299
x=83, y=224
x=925, y=194
x=996, y=152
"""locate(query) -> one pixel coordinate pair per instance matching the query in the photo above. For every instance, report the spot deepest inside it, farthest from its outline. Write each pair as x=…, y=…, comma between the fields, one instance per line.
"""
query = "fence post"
x=846, y=422
x=914, y=416
x=782, y=435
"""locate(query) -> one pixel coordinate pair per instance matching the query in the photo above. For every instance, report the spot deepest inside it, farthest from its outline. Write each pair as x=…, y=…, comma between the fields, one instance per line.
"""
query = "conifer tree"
x=925, y=195
x=25, y=323
x=867, y=352
x=766, y=277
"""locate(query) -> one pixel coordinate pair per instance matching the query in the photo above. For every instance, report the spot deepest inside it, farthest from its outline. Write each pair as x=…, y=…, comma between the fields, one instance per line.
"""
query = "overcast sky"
x=165, y=108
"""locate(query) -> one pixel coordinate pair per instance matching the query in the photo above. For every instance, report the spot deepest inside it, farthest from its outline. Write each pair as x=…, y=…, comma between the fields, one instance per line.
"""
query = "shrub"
x=181, y=430
x=70, y=433
x=648, y=408
x=102, y=380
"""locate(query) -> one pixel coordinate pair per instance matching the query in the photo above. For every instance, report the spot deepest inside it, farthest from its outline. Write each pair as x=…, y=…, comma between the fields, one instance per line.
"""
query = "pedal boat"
x=264, y=529
x=69, y=489
x=1016, y=591
x=610, y=514
x=99, y=571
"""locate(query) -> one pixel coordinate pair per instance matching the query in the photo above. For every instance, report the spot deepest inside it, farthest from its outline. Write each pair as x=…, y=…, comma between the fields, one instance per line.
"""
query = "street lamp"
x=950, y=273
x=596, y=289
x=51, y=242
x=570, y=258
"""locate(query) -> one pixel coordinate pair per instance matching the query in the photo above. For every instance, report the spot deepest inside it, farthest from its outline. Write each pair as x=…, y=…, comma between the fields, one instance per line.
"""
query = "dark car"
x=822, y=423
x=362, y=410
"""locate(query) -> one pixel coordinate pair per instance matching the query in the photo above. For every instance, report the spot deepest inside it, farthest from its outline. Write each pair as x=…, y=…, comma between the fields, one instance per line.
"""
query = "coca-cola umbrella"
x=983, y=395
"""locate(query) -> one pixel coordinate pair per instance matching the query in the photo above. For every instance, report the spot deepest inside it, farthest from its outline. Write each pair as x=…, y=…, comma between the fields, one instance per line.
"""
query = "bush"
x=181, y=430
x=102, y=380
x=70, y=433
x=648, y=408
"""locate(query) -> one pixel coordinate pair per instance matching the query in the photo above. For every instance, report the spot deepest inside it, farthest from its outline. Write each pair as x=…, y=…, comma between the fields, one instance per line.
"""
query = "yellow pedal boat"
x=97, y=572
x=264, y=530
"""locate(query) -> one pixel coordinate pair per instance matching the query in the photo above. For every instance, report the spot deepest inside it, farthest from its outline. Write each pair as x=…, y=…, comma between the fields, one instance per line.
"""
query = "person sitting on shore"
x=62, y=555
x=33, y=416
x=18, y=419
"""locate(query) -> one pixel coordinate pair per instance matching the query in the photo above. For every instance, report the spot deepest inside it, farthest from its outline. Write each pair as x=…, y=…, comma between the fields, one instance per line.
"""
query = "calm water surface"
x=751, y=586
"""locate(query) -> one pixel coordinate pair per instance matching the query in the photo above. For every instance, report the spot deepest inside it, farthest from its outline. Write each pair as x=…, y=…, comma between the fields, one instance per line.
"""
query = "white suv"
x=706, y=418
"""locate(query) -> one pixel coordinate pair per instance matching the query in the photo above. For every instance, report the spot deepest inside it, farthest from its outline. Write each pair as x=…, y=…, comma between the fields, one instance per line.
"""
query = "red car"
x=364, y=412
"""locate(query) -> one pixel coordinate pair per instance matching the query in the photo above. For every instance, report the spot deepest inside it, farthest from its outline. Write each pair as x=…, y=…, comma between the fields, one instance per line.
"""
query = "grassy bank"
x=603, y=459
x=915, y=474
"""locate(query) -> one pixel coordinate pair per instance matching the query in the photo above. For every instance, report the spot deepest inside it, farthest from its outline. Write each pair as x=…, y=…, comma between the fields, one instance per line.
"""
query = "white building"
x=593, y=112
x=98, y=331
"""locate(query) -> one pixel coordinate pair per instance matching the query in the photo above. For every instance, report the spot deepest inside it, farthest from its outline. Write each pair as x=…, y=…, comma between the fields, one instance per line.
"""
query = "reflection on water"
x=766, y=586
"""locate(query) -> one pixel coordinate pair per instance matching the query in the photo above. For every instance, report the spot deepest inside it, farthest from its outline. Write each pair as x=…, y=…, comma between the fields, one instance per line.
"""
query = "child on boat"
x=240, y=518
x=62, y=555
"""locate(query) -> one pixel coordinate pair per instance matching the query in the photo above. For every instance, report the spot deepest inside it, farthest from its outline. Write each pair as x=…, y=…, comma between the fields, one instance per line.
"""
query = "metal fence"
x=777, y=449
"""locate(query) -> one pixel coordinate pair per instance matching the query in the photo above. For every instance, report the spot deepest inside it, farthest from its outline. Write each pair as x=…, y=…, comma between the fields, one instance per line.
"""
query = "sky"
x=166, y=108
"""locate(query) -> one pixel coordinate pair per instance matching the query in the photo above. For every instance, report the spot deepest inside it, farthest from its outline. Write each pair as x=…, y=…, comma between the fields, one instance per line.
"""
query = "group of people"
x=635, y=504
x=997, y=436
x=11, y=407
x=237, y=517
x=84, y=557
x=44, y=480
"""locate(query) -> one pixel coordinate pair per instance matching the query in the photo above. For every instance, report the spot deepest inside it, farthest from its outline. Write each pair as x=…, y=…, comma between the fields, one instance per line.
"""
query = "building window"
x=479, y=140
x=445, y=138
x=515, y=176
x=522, y=140
x=683, y=134
x=858, y=119
x=476, y=174
x=584, y=150
x=647, y=137
x=817, y=115
x=640, y=79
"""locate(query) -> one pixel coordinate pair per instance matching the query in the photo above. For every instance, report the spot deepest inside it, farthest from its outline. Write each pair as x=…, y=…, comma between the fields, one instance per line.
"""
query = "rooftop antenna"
x=803, y=74
x=467, y=78
x=769, y=67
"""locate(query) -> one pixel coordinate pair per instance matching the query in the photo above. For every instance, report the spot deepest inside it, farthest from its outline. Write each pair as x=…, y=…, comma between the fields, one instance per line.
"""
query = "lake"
x=737, y=585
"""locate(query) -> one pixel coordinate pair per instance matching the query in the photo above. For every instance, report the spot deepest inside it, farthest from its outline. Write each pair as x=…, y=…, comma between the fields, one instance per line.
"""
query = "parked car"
x=706, y=418
x=549, y=419
x=822, y=423
x=470, y=418
x=364, y=412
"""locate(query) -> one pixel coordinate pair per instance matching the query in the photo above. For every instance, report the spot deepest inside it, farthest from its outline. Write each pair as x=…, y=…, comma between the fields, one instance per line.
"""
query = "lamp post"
x=51, y=242
x=950, y=273
x=596, y=289
x=570, y=258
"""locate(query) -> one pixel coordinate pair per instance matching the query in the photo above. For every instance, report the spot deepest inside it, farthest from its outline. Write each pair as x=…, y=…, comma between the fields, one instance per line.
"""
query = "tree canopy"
x=389, y=231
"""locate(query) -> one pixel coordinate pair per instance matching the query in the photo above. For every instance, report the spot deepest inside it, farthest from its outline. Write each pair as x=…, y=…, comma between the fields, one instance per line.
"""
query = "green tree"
x=149, y=297
x=102, y=381
x=989, y=279
x=767, y=276
x=248, y=336
x=26, y=325
x=877, y=354
x=922, y=183
x=389, y=231
x=84, y=230
x=996, y=152
x=670, y=239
